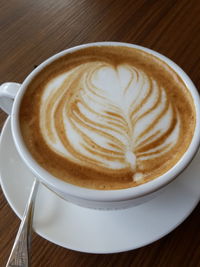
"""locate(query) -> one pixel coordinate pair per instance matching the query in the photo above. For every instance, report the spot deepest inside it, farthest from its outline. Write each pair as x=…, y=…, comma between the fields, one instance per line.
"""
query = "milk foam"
x=112, y=117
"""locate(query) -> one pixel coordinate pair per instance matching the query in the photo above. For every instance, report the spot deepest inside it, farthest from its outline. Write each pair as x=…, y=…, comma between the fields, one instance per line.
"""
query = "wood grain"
x=31, y=31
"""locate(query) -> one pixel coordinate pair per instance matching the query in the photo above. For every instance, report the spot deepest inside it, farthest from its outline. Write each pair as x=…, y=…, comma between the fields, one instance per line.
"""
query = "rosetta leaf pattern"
x=111, y=117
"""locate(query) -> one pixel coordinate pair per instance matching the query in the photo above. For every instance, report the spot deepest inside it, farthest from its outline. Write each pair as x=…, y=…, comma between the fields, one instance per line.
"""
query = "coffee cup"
x=132, y=120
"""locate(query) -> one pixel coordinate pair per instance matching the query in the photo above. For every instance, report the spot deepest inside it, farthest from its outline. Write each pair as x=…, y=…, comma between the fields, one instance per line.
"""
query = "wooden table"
x=31, y=31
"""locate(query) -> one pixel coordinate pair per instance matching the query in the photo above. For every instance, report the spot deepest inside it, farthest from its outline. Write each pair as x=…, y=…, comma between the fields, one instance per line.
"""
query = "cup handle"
x=8, y=92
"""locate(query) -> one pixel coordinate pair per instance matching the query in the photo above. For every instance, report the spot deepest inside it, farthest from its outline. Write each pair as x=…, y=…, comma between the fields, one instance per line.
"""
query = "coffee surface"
x=107, y=117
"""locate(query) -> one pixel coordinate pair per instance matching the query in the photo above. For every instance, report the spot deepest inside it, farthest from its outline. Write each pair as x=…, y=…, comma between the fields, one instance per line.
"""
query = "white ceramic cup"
x=100, y=199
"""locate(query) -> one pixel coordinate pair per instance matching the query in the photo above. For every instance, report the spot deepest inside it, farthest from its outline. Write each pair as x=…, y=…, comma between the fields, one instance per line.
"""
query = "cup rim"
x=105, y=195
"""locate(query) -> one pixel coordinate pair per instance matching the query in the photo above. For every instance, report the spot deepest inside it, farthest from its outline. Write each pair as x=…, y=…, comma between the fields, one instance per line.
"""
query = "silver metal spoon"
x=20, y=254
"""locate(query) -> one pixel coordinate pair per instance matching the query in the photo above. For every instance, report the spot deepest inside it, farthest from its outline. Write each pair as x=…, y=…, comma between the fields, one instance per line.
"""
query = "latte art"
x=108, y=117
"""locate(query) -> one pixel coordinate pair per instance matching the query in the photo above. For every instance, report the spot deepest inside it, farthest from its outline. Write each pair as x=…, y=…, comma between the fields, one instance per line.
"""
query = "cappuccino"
x=107, y=117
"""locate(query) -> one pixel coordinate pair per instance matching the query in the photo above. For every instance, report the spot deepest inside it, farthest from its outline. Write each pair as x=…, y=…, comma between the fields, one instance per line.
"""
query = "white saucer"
x=97, y=231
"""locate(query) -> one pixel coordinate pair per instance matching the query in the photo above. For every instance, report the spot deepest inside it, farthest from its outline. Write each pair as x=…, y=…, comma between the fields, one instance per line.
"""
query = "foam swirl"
x=109, y=118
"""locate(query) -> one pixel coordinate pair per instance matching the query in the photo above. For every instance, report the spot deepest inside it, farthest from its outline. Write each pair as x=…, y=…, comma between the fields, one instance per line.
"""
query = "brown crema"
x=79, y=105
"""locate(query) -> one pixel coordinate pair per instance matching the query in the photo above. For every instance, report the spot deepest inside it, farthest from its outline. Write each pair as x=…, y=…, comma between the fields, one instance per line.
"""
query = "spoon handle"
x=20, y=254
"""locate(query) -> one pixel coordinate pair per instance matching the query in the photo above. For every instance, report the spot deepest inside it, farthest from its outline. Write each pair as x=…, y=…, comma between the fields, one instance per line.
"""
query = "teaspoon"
x=20, y=253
